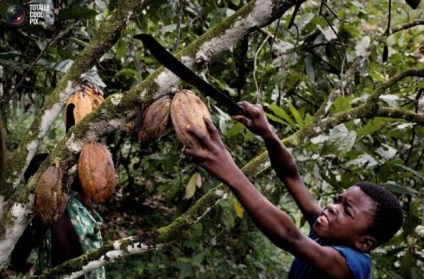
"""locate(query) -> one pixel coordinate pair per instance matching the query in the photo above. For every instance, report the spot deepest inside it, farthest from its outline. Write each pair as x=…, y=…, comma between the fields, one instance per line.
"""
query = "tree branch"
x=347, y=77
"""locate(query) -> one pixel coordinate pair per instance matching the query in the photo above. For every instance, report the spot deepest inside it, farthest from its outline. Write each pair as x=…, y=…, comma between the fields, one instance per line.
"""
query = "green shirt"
x=87, y=228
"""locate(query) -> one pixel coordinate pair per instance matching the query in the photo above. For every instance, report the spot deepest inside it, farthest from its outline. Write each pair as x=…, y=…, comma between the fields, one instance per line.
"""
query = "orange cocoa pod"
x=49, y=199
x=76, y=108
x=188, y=110
x=96, y=172
x=154, y=120
x=94, y=94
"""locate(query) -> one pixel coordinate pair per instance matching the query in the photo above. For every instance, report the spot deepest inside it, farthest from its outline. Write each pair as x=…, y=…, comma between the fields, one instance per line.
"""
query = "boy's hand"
x=255, y=119
x=213, y=157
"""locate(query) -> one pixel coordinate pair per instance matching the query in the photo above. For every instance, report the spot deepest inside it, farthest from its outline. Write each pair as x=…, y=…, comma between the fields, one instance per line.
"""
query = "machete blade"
x=184, y=73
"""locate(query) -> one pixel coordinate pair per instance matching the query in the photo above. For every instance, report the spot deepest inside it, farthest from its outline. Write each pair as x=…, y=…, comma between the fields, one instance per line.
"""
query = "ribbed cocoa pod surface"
x=154, y=120
x=95, y=95
x=96, y=172
x=82, y=103
x=188, y=110
x=50, y=201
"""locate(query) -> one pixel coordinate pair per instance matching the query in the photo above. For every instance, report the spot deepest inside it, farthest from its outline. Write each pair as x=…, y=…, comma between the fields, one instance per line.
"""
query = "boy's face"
x=347, y=219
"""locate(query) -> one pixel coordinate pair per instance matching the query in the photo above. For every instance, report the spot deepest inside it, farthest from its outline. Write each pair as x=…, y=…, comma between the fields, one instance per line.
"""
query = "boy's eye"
x=346, y=210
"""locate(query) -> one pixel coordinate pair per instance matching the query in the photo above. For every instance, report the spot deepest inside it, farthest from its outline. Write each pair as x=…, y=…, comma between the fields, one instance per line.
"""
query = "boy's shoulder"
x=359, y=263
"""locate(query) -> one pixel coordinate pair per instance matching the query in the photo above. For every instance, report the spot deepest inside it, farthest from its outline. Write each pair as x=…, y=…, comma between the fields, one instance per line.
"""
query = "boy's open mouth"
x=323, y=219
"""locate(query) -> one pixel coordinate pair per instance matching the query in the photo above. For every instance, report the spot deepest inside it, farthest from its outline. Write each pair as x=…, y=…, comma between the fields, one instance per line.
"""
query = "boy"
x=361, y=218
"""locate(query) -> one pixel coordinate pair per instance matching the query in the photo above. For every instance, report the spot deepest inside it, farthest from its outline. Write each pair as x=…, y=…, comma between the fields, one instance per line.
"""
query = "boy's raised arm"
x=281, y=160
x=274, y=223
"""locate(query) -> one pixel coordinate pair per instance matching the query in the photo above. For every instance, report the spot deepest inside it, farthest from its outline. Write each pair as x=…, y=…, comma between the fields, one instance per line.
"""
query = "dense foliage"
x=291, y=71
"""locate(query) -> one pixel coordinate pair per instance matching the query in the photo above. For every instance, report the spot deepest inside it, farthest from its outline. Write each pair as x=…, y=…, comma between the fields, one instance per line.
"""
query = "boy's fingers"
x=213, y=132
x=241, y=119
x=189, y=151
x=252, y=110
x=209, y=125
x=196, y=154
x=193, y=131
x=201, y=137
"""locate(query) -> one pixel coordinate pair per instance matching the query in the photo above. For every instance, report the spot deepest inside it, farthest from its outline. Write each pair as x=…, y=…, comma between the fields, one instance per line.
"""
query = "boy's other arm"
x=274, y=223
x=282, y=161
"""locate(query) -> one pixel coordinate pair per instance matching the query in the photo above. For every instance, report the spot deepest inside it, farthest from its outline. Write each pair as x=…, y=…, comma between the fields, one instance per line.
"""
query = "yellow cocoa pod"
x=94, y=94
x=50, y=201
x=188, y=110
x=77, y=107
x=96, y=172
x=154, y=120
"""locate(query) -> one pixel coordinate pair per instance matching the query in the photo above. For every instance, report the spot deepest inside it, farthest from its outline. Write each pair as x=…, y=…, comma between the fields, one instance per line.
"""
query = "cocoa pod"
x=49, y=200
x=188, y=110
x=154, y=120
x=94, y=94
x=76, y=108
x=96, y=171
x=82, y=103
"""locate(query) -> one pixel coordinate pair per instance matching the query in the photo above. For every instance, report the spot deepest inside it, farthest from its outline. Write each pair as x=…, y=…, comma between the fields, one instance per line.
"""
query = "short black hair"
x=388, y=216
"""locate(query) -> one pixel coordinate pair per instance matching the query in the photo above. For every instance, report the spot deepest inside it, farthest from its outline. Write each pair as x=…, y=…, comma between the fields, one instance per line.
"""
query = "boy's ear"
x=366, y=243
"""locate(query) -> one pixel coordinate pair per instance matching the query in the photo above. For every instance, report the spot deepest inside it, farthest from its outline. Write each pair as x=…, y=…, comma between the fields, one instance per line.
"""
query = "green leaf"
x=308, y=118
x=276, y=119
x=416, y=273
x=235, y=130
x=296, y=115
x=393, y=275
x=281, y=113
x=416, y=173
x=9, y=54
x=94, y=78
x=41, y=44
x=342, y=104
x=372, y=126
x=406, y=263
x=341, y=140
x=64, y=65
x=77, y=12
x=128, y=73
x=121, y=49
x=397, y=188
x=78, y=41
x=172, y=27
x=198, y=259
